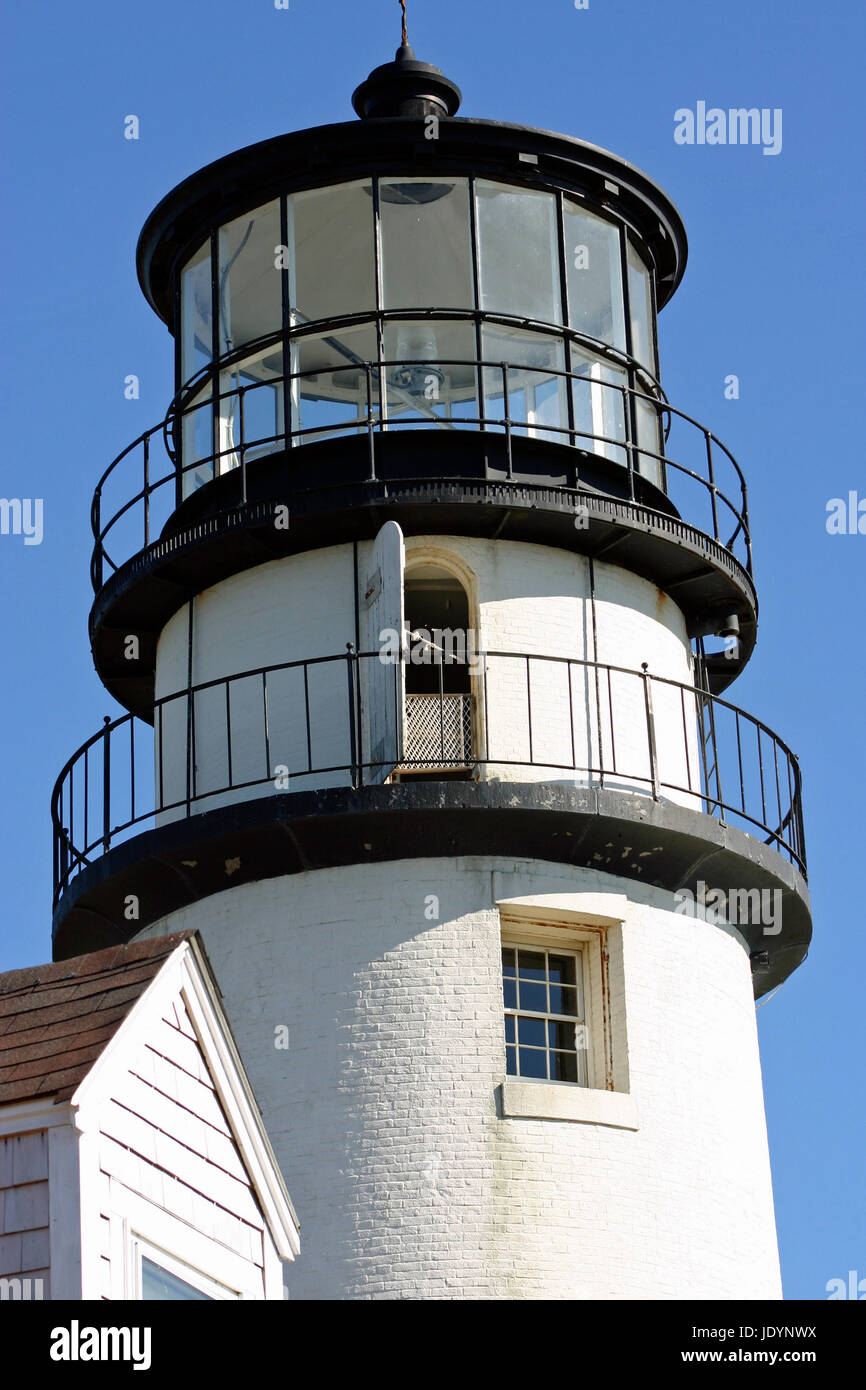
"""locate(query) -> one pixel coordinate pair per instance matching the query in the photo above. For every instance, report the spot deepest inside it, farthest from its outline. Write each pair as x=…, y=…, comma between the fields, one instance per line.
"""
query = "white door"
x=381, y=665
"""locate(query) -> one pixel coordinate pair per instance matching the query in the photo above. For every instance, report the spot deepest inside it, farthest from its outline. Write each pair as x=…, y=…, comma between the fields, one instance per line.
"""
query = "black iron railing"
x=635, y=430
x=303, y=724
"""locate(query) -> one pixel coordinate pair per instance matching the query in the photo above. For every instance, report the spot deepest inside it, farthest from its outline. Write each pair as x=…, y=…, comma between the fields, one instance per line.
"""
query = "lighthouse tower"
x=424, y=603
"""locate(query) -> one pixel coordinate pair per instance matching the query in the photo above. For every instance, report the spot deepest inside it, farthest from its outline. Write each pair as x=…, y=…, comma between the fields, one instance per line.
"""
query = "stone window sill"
x=557, y=1100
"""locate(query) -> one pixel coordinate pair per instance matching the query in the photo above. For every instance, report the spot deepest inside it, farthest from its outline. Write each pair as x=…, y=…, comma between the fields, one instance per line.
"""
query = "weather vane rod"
x=405, y=32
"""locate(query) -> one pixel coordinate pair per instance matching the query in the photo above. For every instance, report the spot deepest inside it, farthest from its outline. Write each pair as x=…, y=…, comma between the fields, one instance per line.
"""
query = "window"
x=563, y=983
x=426, y=247
x=519, y=254
x=545, y=1017
x=161, y=1277
x=594, y=272
x=159, y=1284
x=641, y=310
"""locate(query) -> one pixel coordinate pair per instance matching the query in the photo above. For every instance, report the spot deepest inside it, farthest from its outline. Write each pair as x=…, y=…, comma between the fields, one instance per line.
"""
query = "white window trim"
x=552, y=925
x=580, y=1019
x=143, y=1249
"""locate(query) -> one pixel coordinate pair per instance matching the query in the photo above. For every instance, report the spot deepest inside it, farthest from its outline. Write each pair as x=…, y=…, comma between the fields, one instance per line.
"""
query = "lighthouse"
x=423, y=603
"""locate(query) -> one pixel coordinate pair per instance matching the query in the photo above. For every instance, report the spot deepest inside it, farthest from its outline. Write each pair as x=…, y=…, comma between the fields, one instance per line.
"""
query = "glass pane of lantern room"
x=431, y=372
x=195, y=313
x=537, y=399
x=329, y=384
x=649, y=421
x=598, y=393
x=249, y=280
x=518, y=256
x=331, y=252
x=640, y=311
x=426, y=244
x=595, y=301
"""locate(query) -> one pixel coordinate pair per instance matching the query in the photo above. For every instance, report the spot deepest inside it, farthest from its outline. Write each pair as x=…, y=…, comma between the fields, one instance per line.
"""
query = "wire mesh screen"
x=438, y=732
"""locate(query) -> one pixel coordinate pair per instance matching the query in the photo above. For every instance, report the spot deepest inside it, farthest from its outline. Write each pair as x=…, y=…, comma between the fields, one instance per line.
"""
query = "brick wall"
x=383, y=1110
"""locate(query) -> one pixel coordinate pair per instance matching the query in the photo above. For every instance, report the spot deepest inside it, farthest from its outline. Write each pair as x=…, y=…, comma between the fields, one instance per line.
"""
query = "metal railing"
x=637, y=431
x=538, y=718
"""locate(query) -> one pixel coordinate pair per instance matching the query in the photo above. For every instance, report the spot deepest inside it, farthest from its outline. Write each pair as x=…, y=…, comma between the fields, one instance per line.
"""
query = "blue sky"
x=773, y=293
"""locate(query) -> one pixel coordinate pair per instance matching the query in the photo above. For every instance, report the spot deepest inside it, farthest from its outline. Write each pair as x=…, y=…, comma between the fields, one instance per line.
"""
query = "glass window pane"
x=518, y=252
x=426, y=244
x=431, y=372
x=532, y=997
x=509, y=994
x=533, y=1062
x=331, y=252
x=329, y=385
x=537, y=386
x=561, y=969
x=158, y=1285
x=561, y=1036
x=511, y=1061
x=509, y=1028
x=563, y=999
x=508, y=961
x=195, y=312
x=198, y=436
x=640, y=310
x=563, y=1066
x=595, y=303
x=599, y=407
x=649, y=438
x=530, y=965
x=249, y=286
x=251, y=408
x=531, y=1032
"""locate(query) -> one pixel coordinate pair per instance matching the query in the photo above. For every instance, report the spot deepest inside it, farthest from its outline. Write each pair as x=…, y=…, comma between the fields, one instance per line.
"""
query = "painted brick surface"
x=526, y=598
x=383, y=1110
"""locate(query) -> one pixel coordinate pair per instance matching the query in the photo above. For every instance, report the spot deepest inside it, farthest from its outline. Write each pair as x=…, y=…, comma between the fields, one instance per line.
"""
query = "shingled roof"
x=56, y=1019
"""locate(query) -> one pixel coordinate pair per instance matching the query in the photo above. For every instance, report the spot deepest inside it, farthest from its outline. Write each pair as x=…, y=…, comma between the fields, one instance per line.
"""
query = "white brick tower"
x=422, y=601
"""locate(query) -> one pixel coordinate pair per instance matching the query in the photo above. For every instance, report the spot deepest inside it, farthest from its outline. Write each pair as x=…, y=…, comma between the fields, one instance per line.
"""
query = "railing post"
x=106, y=784
x=371, y=433
x=651, y=730
x=147, y=490
x=745, y=495
x=64, y=857
x=96, y=569
x=711, y=474
x=353, y=735
x=241, y=427
x=507, y=408
x=441, y=709
x=628, y=422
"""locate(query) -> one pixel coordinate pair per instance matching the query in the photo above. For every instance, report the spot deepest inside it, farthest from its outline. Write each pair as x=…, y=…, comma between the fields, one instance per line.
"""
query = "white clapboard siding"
x=167, y=1155
x=232, y=1267
x=189, y=1129
x=183, y=1051
x=163, y=1152
x=183, y=1021
x=178, y=1085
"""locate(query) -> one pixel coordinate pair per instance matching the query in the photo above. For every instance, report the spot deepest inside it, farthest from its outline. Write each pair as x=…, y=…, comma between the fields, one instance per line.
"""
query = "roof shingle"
x=56, y=1019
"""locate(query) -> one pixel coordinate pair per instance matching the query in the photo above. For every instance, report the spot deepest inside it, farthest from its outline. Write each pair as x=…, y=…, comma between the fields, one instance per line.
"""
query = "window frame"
x=579, y=1019
x=142, y=1249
